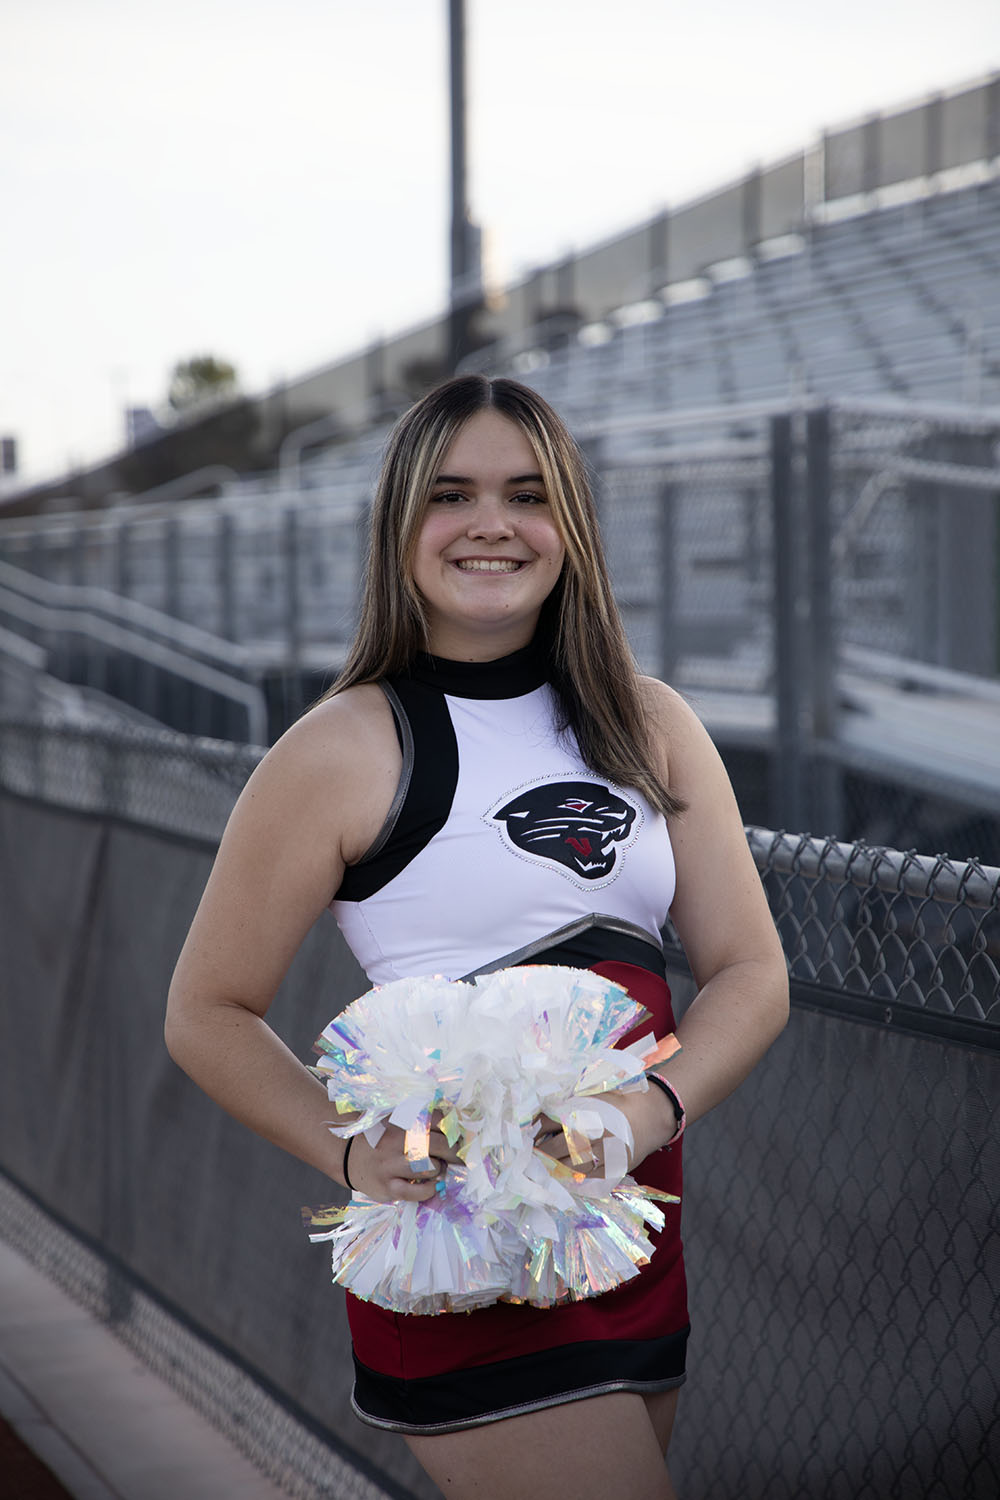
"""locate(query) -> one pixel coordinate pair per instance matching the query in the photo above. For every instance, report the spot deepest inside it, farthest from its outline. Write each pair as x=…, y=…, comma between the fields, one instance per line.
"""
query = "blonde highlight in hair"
x=591, y=664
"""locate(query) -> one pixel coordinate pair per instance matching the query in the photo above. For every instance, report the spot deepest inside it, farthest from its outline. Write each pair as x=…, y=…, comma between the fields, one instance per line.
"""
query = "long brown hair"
x=592, y=667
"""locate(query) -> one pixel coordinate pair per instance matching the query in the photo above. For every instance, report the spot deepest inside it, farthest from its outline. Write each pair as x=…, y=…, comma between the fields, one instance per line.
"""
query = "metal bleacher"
x=901, y=300
x=893, y=308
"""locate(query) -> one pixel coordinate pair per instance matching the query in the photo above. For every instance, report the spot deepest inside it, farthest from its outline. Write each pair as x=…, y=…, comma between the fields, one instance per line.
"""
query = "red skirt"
x=455, y=1370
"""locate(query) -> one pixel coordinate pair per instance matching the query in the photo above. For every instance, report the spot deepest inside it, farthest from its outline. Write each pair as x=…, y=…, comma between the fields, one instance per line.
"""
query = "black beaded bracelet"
x=675, y=1099
x=343, y=1165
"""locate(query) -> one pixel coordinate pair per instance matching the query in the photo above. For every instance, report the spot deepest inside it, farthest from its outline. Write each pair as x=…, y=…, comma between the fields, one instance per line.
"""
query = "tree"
x=200, y=382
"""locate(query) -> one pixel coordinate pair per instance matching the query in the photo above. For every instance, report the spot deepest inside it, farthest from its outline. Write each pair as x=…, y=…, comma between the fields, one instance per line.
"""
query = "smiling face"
x=488, y=552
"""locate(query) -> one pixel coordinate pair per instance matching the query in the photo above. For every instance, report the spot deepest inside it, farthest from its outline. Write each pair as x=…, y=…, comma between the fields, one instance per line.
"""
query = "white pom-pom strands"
x=484, y=1063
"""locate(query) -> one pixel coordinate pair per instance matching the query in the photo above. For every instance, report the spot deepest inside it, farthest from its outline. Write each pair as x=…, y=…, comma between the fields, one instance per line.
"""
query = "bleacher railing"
x=153, y=662
x=819, y=578
x=768, y=559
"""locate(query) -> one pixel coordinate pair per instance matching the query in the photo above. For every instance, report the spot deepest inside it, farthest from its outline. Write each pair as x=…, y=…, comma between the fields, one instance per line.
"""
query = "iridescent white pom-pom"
x=482, y=1062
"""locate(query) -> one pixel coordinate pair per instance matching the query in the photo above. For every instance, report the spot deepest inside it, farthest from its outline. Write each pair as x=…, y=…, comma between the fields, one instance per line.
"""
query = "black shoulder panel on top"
x=426, y=788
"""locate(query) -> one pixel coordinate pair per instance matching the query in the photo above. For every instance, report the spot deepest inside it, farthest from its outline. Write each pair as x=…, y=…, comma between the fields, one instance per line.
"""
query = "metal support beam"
x=825, y=804
x=787, y=802
x=226, y=574
x=668, y=614
x=465, y=279
x=292, y=547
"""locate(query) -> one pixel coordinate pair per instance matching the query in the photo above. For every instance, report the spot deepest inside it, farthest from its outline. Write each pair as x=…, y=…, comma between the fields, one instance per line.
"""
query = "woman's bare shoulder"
x=662, y=703
x=336, y=733
x=334, y=772
x=680, y=740
x=671, y=718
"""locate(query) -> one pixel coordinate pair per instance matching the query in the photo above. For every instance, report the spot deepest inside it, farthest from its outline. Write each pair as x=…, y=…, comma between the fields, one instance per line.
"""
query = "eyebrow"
x=465, y=479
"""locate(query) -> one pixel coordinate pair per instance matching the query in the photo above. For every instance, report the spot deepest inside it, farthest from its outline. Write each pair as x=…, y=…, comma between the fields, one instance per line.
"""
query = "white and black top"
x=501, y=846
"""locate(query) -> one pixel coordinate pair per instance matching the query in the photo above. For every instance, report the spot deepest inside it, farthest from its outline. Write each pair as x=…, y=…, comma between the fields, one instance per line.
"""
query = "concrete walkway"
x=107, y=1427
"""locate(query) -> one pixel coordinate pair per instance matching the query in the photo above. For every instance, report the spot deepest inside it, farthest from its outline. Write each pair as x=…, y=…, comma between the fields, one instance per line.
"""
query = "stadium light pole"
x=465, y=284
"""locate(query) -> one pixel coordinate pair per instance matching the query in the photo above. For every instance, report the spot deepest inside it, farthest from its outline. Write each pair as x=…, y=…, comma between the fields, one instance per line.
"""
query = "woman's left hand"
x=651, y=1120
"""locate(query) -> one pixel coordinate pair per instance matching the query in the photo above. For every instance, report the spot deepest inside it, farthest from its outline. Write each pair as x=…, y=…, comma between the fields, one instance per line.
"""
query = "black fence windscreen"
x=840, y=1214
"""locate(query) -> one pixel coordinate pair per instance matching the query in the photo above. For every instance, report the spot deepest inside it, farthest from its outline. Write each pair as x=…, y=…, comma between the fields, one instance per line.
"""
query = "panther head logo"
x=574, y=823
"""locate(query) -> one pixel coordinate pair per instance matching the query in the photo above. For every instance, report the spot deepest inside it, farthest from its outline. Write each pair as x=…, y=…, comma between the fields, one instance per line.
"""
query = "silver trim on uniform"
x=405, y=776
x=430, y=1429
x=562, y=935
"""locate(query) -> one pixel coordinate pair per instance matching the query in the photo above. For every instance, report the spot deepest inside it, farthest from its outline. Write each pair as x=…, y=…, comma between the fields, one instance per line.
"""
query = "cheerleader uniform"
x=502, y=847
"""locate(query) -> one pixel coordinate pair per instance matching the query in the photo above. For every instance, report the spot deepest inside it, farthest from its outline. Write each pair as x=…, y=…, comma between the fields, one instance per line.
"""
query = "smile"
x=491, y=565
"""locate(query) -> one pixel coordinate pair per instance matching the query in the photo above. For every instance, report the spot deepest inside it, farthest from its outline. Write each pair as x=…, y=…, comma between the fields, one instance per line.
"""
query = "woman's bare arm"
x=313, y=805
x=722, y=918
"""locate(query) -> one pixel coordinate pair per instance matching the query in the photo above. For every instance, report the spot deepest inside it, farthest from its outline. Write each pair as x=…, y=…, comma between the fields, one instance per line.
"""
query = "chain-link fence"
x=840, y=1211
x=910, y=491
x=889, y=512
x=824, y=583
x=689, y=549
x=277, y=572
x=150, y=778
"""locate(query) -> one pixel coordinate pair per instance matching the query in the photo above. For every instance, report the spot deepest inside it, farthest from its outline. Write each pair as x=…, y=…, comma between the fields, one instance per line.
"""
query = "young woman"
x=491, y=783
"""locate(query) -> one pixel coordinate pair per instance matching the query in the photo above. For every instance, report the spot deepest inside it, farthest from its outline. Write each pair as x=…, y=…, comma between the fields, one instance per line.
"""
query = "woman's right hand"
x=383, y=1173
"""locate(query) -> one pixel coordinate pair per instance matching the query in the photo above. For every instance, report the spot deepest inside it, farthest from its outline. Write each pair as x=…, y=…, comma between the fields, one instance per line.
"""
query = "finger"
x=417, y=1175
x=419, y=1191
x=440, y=1148
x=421, y=1172
x=383, y=1173
x=571, y=1148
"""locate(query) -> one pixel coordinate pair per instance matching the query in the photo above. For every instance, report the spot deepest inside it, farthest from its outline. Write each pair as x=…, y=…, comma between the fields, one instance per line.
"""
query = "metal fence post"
x=78, y=557
x=786, y=781
x=922, y=598
x=78, y=577
x=225, y=549
x=293, y=693
x=825, y=803
x=123, y=569
x=592, y=448
x=669, y=651
x=172, y=590
x=362, y=534
x=967, y=559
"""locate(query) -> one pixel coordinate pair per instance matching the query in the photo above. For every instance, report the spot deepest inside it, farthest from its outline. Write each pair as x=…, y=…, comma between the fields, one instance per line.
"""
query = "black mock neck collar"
x=507, y=677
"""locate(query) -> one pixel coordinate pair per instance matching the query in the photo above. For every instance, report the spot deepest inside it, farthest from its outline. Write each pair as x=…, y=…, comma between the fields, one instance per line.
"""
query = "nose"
x=490, y=520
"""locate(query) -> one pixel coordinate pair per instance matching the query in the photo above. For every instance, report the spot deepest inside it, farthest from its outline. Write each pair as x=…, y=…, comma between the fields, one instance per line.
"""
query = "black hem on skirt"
x=478, y=1394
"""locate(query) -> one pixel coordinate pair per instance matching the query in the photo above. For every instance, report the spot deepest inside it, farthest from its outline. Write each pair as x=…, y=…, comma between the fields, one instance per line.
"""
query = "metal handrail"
x=904, y=669
x=334, y=497
x=80, y=621
x=215, y=475
x=26, y=653
x=293, y=446
x=180, y=634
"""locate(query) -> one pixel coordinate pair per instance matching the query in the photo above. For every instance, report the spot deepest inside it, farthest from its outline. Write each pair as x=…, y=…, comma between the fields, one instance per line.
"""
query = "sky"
x=267, y=180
